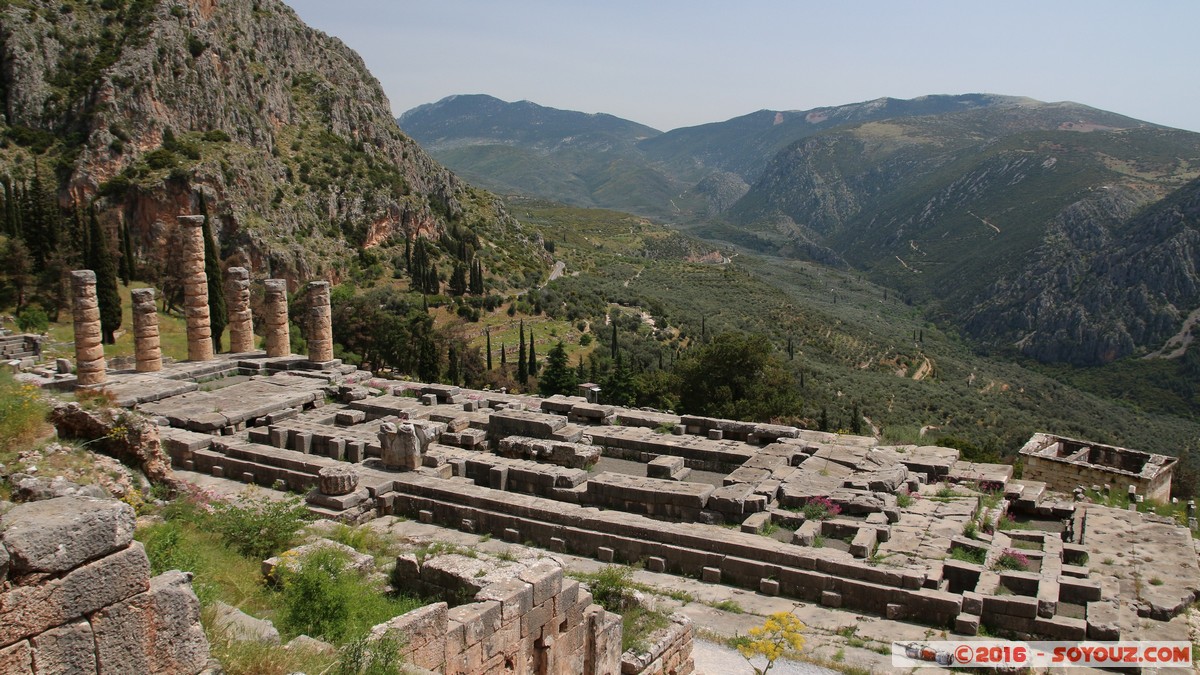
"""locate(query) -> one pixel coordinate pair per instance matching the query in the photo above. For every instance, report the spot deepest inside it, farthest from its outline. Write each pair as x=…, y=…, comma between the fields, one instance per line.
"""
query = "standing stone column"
x=89, y=349
x=237, y=299
x=320, y=326
x=279, y=339
x=145, y=331
x=195, y=290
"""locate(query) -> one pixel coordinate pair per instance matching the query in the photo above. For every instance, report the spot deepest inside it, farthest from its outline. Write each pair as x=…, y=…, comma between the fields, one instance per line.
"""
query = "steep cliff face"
x=1106, y=281
x=148, y=103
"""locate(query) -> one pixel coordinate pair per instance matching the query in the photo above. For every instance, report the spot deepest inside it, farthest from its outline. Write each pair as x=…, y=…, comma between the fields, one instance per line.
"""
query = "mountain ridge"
x=143, y=106
x=939, y=197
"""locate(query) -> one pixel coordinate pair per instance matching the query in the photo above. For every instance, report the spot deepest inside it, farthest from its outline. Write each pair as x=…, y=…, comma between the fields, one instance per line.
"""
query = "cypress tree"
x=503, y=357
x=11, y=227
x=452, y=364
x=126, y=265
x=533, y=364
x=559, y=377
x=488, y=333
x=477, y=277
x=40, y=219
x=614, y=340
x=522, y=365
x=100, y=260
x=217, y=315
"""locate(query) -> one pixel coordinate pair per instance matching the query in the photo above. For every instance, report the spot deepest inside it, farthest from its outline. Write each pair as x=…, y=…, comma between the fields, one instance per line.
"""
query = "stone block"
x=1062, y=628
x=17, y=659
x=972, y=603
x=533, y=621
x=605, y=554
x=425, y=629
x=157, y=631
x=966, y=624
x=664, y=466
x=831, y=599
x=29, y=610
x=478, y=619
x=546, y=578
x=711, y=575
x=863, y=543
x=34, y=533
x=512, y=536
x=656, y=564
x=755, y=522
x=1078, y=591
x=242, y=627
x=69, y=648
x=1103, y=621
x=498, y=478
x=768, y=587
x=1021, y=583
x=515, y=597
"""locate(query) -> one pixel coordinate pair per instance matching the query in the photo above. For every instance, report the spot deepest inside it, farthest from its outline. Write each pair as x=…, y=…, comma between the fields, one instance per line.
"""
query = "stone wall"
x=509, y=616
x=670, y=651
x=76, y=595
x=1043, y=462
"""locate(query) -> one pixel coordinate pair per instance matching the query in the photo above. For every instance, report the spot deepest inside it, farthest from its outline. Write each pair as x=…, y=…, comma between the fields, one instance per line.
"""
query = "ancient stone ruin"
x=237, y=302
x=195, y=289
x=906, y=533
x=910, y=533
x=278, y=341
x=89, y=348
x=90, y=606
x=1065, y=464
x=145, y=331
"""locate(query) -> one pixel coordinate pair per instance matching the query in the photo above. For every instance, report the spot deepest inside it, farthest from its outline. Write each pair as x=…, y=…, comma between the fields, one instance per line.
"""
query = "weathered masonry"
x=1065, y=463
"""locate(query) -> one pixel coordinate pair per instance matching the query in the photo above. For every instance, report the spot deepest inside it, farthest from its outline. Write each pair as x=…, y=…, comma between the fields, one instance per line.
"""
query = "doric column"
x=195, y=290
x=145, y=331
x=89, y=349
x=279, y=339
x=320, y=327
x=237, y=299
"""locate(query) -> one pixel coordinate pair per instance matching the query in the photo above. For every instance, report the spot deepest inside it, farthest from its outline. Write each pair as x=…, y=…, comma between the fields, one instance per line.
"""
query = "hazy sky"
x=674, y=63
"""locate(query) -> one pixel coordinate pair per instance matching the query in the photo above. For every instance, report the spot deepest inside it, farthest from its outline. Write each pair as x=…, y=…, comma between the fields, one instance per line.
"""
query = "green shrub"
x=167, y=550
x=971, y=555
x=612, y=587
x=33, y=319
x=22, y=416
x=371, y=657
x=259, y=527
x=322, y=598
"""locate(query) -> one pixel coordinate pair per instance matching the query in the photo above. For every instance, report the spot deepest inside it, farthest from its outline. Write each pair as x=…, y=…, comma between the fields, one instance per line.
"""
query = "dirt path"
x=924, y=370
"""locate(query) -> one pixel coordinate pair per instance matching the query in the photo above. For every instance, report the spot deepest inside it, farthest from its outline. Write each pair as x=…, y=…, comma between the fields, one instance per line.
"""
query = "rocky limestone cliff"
x=1107, y=280
x=149, y=103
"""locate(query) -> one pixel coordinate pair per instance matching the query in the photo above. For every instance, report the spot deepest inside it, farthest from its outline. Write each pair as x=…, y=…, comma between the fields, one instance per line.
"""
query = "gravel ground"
x=714, y=659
